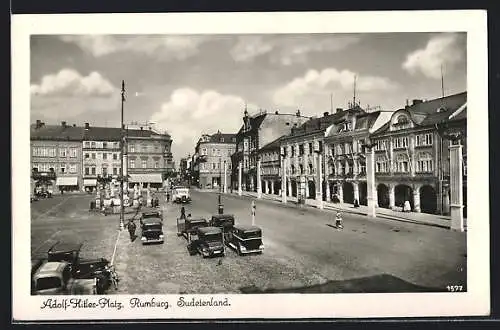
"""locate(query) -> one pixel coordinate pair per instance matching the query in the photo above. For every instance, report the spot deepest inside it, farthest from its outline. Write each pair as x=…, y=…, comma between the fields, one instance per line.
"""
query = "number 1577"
x=454, y=288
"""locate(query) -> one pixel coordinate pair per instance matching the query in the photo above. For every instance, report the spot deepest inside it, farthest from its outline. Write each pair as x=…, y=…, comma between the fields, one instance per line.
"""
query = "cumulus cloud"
x=164, y=48
x=318, y=84
x=288, y=49
x=69, y=82
x=189, y=113
x=443, y=49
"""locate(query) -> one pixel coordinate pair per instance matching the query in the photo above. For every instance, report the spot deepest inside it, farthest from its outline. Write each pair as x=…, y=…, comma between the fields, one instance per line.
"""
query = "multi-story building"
x=213, y=159
x=101, y=154
x=412, y=159
x=270, y=158
x=185, y=169
x=56, y=156
x=149, y=157
x=303, y=148
x=257, y=131
x=345, y=166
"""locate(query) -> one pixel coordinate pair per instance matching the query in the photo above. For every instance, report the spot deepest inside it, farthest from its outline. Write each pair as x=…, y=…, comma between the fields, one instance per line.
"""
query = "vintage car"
x=245, y=239
x=55, y=278
x=150, y=213
x=180, y=195
x=187, y=227
x=209, y=242
x=224, y=222
x=98, y=269
x=152, y=230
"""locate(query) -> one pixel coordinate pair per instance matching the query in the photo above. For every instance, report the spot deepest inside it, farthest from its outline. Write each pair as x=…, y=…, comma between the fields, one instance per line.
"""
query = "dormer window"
x=401, y=122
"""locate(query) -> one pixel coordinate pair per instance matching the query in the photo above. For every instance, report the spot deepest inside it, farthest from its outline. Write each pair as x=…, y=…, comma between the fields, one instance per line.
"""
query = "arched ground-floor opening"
x=383, y=196
x=403, y=193
x=348, y=191
x=428, y=199
x=277, y=187
x=312, y=189
x=323, y=190
x=363, y=193
x=294, y=188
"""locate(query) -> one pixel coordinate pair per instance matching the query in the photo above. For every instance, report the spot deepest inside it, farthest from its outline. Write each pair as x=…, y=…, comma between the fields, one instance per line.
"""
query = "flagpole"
x=122, y=146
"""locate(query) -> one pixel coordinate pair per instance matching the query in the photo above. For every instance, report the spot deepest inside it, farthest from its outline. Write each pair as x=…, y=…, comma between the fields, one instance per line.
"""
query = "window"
x=340, y=169
x=213, y=166
x=115, y=156
x=87, y=156
x=401, y=122
x=117, y=144
x=87, y=144
x=87, y=170
x=156, y=164
x=93, y=155
x=425, y=162
x=105, y=145
x=72, y=168
x=301, y=167
x=310, y=148
x=115, y=171
x=52, y=152
x=93, y=170
x=92, y=144
x=132, y=163
x=202, y=166
x=464, y=169
x=62, y=152
x=381, y=145
x=381, y=164
x=311, y=169
x=144, y=163
x=132, y=148
x=348, y=148
x=402, y=163
x=401, y=142
x=424, y=139
x=104, y=171
x=362, y=168
x=63, y=168
x=301, y=150
x=104, y=156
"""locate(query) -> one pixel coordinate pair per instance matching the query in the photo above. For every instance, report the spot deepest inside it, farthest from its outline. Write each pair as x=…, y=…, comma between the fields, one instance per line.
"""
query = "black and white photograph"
x=228, y=167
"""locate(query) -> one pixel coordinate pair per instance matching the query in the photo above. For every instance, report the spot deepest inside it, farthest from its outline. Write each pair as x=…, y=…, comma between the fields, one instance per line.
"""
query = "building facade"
x=212, y=163
x=412, y=159
x=257, y=131
x=101, y=155
x=271, y=167
x=345, y=165
x=148, y=157
x=56, y=157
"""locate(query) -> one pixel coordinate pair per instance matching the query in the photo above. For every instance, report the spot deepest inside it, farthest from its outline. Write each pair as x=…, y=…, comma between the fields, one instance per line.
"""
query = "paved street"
x=301, y=250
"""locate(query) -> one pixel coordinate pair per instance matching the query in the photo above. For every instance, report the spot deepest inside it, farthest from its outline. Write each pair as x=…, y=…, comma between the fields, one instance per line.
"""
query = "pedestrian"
x=131, y=229
x=407, y=206
x=338, y=221
x=168, y=197
x=183, y=213
x=356, y=203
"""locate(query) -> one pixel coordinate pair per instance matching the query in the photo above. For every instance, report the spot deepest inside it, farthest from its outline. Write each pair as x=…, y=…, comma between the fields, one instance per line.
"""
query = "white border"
x=474, y=302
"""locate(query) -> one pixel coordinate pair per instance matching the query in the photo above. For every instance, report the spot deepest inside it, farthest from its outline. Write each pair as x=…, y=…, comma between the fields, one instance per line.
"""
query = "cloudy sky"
x=191, y=85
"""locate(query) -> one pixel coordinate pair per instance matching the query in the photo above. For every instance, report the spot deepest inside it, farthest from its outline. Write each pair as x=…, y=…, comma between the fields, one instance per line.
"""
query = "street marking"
x=114, y=249
x=53, y=208
x=48, y=239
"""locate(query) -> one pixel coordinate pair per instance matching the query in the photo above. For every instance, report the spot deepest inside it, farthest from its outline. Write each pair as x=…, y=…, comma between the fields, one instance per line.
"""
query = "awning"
x=67, y=181
x=146, y=178
x=89, y=182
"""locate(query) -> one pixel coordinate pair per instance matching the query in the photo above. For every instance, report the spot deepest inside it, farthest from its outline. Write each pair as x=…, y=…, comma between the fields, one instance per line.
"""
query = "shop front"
x=144, y=180
x=67, y=183
x=90, y=184
x=43, y=182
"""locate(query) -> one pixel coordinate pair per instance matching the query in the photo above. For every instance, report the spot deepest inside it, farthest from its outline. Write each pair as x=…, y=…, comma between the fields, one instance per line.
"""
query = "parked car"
x=224, y=222
x=55, y=278
x=187, y=227
x=151, y=213
x=245, y=239
x=180, y=195
x=209, y=242
x=152, y=230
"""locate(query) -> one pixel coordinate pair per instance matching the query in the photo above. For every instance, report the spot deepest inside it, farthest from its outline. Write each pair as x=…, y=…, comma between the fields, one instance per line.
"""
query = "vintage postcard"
x=250, y=165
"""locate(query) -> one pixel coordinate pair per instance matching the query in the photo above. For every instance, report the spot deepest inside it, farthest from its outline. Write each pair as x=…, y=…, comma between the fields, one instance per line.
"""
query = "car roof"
x=209, y=230
x=152, y=221
x=196, y=220
x=180, y=187
x=222, y=216
x=148, y=210
x=247, y=228
x=51, y=267
x=65, y=247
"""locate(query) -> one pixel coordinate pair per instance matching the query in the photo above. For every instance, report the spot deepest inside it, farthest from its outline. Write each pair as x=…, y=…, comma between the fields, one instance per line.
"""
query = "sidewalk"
x=412, y=217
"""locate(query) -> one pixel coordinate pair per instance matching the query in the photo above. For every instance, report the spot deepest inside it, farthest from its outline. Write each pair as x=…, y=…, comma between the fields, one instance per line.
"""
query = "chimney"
x=297, y=113
x=38, y=123
x=416, y=101
x=141, y=128
x=326, y=113
x=339, y=110
x=87, y=126
x=276, y=112
x=74, y=125
x=63, y=124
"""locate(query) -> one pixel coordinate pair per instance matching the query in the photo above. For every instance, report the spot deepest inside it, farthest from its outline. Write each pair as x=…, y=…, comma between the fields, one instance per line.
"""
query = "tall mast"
x=354, y=96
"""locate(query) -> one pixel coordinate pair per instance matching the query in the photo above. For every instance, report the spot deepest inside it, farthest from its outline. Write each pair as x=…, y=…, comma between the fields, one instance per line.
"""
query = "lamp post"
x=122, y=146
x=283, y=175
x=370, y=176
x=220, y=206
x=319, y=179
x=456, y=173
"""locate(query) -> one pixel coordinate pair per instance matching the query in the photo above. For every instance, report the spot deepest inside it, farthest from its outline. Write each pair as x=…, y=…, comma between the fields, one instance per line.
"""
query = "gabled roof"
x=56, y=133
x=434, y=111
x=255, y=122
x=273, y=145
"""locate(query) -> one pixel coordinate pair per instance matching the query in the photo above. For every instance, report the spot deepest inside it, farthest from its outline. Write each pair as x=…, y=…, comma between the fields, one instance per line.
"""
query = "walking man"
x=131, y=229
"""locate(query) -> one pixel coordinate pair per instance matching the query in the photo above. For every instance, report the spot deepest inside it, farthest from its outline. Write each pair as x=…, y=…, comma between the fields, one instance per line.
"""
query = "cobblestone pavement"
x=301, y=250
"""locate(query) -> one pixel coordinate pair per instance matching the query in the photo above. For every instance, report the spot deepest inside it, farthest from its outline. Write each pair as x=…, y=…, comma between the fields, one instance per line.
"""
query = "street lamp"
x=370, y=176
x=319, y=179
x=220, y=206
x=283, y=175
x=122, y=146
x=454, y=135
